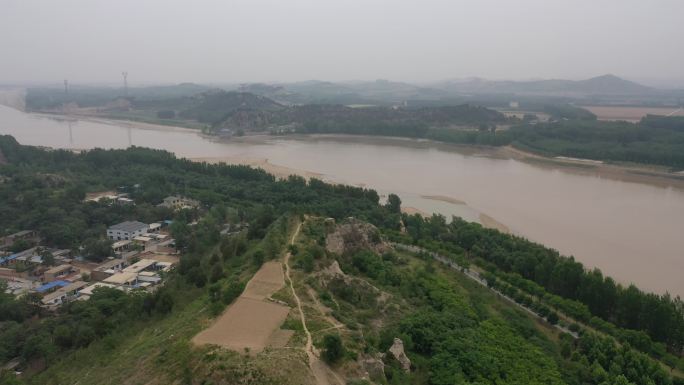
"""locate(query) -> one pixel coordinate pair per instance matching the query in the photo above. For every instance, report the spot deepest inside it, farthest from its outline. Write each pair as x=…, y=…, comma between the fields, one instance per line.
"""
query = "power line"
x=125, y=79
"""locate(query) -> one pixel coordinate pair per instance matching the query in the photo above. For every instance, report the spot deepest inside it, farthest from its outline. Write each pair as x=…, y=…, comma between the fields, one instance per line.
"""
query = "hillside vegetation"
x=357, y=298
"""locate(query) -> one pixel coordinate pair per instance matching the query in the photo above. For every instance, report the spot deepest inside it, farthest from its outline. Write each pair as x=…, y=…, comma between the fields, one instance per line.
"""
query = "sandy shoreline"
x=280, y=172
x=644, y=174
x=115, y=122
x=443, y=198
x=412, y=211
x=492, y=223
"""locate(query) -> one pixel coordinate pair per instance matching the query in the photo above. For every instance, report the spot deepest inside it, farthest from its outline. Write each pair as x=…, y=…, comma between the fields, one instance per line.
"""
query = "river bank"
x=626, y=224
x=647, y=174
x=636, y=173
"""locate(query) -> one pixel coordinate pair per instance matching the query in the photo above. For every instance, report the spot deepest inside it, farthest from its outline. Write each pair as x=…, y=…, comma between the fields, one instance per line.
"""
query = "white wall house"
x=127, y=230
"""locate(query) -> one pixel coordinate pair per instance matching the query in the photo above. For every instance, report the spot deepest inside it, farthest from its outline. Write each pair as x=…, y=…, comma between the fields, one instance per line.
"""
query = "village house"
x=142, y=265
x=61, y=254
x=178, y=202
x=52, y=286
x=25, y=235
x=144, y=241
x=64, y=294
x=59, y=272
x=124, y=280
x=121, y=246
x=125, y=201
x=154, y=228
x=108, y=269
x=126, y=230
x=85, y=293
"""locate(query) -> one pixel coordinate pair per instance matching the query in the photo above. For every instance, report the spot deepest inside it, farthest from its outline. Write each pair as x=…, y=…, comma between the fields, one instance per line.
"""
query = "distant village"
x=143, y=253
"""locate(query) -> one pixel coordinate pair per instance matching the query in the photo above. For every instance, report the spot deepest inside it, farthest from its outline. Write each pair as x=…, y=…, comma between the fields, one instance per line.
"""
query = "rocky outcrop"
x=334, y=271
x=374, y=367
x=354, y=235
x=397, y=351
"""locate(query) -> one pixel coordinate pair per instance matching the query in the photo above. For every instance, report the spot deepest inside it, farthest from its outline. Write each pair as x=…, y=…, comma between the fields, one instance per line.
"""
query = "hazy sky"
x=284, y=40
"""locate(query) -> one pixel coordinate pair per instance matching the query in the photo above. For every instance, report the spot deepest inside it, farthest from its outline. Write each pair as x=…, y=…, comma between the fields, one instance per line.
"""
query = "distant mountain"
x=381, y=92
x=217, y=105
x=600, y=85
x=247, y=111
x=167, y=91
x=610, y=84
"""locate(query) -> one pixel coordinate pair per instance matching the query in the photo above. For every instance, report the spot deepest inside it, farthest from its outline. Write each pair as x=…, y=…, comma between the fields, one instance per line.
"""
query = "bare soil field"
x=630, y=114
x=265, y=282
x=247, y=324
x=252, y=322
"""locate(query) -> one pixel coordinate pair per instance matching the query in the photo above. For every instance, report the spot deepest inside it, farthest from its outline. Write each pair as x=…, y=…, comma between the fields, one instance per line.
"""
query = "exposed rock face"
x=397, y=350
x=334, y=271
x=354, y=235
x=374, y=367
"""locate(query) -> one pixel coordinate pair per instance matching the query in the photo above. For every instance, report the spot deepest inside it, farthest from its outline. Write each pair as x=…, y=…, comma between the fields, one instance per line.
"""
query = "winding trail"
x=320, y=370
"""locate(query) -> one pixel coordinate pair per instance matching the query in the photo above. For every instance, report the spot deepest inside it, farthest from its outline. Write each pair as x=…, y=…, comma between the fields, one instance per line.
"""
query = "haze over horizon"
x=270, y=41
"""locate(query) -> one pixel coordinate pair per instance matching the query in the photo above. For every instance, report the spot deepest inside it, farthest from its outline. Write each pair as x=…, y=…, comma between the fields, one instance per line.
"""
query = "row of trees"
x=654, y=140
x=660, y=316
x=457, y=340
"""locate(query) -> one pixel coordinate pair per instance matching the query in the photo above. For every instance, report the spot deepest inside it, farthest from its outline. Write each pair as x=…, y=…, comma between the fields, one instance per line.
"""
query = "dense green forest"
x=654, y=140
x=450, y=338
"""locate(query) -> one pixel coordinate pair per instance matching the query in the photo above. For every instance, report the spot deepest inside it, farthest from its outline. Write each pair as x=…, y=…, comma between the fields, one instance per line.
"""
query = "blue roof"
x=9, y=258
x=51, y=285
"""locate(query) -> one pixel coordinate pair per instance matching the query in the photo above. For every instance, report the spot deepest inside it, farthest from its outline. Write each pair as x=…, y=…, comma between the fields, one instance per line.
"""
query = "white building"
x=127, y=230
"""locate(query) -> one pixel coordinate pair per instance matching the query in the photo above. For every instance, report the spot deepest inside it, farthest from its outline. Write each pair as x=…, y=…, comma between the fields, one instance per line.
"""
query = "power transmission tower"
x=66, y=86
x=125, y=79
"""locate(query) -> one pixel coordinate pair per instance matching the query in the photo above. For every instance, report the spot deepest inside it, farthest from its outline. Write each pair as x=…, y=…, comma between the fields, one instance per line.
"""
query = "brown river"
x=631, y=228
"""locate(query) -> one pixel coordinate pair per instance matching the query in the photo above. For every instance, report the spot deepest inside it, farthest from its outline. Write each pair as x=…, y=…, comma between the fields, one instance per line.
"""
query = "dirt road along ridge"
x=322, y=373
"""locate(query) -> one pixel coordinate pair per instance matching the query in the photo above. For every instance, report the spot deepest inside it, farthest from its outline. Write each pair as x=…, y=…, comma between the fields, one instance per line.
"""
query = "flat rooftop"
x=89, y=290
x=129, y=226
x=59, y=269
x=140, y=266
x=121, y=278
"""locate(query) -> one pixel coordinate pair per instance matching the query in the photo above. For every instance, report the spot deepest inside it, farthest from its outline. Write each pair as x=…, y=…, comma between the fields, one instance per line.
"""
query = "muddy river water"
x=632, y=230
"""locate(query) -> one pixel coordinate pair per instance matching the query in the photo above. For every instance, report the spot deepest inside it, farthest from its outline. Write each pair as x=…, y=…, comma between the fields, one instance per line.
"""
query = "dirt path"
x=320, y=370
x=324, y=311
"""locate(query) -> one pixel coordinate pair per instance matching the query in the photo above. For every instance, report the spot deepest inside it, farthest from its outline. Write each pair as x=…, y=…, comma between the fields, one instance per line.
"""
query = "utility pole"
x=66, y=87
x=125, y=79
